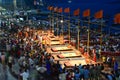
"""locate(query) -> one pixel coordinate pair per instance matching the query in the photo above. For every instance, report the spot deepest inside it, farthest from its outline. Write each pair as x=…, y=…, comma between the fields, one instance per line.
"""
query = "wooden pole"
x=88, y=41
x=78, y=34
x=53, y=21
x=57, y=23
x=101, y=38
x=50, y=19
x=62, y=25
x=69, y=29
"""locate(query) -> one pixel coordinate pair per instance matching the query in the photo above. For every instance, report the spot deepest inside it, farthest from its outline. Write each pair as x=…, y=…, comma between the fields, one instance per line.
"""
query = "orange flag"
x=60, y=10
x=50, y=8
x=117, y=18
x=76, y=12
x=86, y=13
x=98, y=14
x=67, y=10
x=55, y=9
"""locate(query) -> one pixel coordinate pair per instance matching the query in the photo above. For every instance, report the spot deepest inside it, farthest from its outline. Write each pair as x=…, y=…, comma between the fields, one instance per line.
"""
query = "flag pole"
x=62, y=25
x=69, y=29
x=88, y=41
x=50, y=20
x=78, y=33
x=53, y=22
x=57, y=23
x=101, y=37
x=61, y=30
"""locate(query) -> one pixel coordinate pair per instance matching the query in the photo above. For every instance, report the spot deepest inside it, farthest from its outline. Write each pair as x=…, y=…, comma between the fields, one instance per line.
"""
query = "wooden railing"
x=110, y=53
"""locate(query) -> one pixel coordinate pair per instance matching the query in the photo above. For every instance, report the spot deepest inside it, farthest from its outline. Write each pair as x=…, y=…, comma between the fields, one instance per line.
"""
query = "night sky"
x=110, y=7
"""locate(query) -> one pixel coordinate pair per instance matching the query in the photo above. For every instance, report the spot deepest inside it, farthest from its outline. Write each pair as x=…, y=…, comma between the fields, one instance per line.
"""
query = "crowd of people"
x=105, y=45
x=24, y=47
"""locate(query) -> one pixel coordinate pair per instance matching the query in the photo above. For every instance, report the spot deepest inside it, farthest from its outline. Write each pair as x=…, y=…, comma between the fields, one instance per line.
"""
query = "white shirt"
x=31, y=61
x=45, y=53
x=51, y=60
x=25, y=75
x=108, y=59
x=24, y=63
x=8, y=47
x=62, y=76
x=31, y=47
x=10, y=59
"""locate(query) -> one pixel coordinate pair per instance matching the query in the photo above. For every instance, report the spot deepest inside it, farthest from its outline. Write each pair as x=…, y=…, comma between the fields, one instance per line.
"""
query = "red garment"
x=69, y=77
x=18, y=53
x=94, y=58
x=20, y=34
x=82, y=50
x=86, y=54
x=26, y=34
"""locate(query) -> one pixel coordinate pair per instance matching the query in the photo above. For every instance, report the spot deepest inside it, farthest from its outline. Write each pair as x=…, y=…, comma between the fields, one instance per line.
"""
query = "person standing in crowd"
x=55, y=72
x=69, y=76
x=86, y=73
x=109, y=60
x=116, y=68
x=48, y=66
x=8, y=48
x=31, y=62
x=98, y=70
x=91, y=72
x=81, y=70
x=62, y=75
x=58, y=66
x=95, y=72
x=77, y=75
x=3, y=58
x=10, y=61
x=75, y=68
x=19, y=74
x=119, y=77
x=25, y=75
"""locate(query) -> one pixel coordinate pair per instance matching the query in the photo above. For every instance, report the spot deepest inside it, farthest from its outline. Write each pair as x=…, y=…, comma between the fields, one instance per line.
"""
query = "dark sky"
x=110, y=7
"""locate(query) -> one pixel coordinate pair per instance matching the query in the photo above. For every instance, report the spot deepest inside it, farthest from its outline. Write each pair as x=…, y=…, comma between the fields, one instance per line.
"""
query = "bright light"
x=61, y=21
x=32, y=40
x=87, y=30
x=69, y=1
